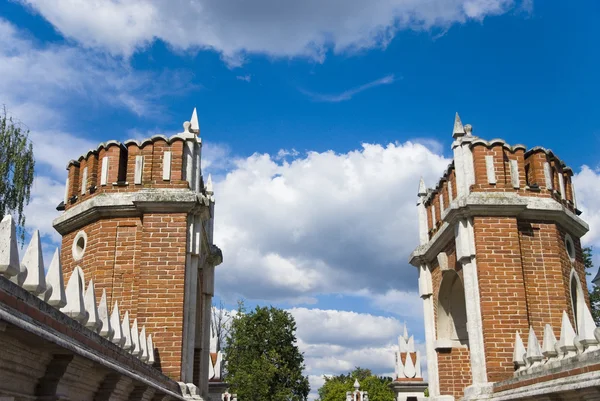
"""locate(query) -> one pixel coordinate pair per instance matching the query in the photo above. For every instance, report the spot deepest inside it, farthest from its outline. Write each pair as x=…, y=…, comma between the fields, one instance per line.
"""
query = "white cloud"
x=246, y=78
x=348, y=94
x=279, y=28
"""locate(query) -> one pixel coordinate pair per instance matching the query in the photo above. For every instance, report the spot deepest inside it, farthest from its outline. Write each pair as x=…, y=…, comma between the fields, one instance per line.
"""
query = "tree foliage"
x=262, y=359
x=595, y=291
x=335, y=387
x=16, y=168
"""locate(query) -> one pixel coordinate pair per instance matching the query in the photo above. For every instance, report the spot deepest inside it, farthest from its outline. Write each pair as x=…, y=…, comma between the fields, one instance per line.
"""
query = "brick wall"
x=454, y=368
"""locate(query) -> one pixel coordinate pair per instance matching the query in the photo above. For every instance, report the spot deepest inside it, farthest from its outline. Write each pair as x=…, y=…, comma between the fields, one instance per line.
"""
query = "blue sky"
x=287, y=94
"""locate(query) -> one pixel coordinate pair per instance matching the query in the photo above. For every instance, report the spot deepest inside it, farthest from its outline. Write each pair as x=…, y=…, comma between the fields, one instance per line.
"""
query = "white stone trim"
x=561, y=185
x=490, y=170
x=104, y=173
x=76, y=249
x=548, y=176
x=84, y=180
x=442, y=203
x=166, y=175
x=450, y=195
x=514, y=174
x=429, y=320
x=433, y=220
x=423, y=225
x=573, y=193
x=66, y=191
x=139, y=169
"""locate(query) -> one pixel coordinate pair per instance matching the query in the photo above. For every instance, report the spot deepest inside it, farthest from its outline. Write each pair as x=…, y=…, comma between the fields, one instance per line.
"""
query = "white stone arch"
x=452, y=311
x=577, y=298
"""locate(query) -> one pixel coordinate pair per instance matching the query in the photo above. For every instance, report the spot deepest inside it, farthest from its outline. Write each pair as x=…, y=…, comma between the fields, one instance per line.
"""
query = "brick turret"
x=499, y=251
x=138, y=220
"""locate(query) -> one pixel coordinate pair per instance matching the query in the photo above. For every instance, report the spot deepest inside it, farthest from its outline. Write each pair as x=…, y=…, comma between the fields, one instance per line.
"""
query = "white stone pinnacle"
x=9, y=251
x=586, y=328
x=211, y=370
x=209, y=185
x=566, y=344
x=55, y=286
x=459, y=130
x=115, y=322
x=93, y=322
x=534, y=352
x=127, y=345
x=356, y=384
x=422, y=188
x=75, y=307
x=548, y=348
x=136, y=349
x=218, y=365
x=143, y=345
x=106, y=329
x=410, y=345
x=150, y=346
x=34, y=279
x=409, y=367
x=519, y=351
x=194, y=126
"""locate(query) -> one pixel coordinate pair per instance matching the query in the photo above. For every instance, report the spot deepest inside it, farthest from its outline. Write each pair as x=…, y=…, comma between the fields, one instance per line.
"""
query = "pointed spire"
x=55, y=285
x=136, y=350
x=459, y=130
x=93, y=322
x=118, y=337
x=566, y=344
x=75, y=307
x=127, y=345
x=585, y=328
x=519, y=352
x=143, y=345
x=34, y=279
x=409, y=366
x=534, y=352
x=209, y=185
x=218, y=365
x=410, y=347
x=150, y=350
x=9, y=251
x=549, y=346
x=405, y=334
x=106, y=329
x=422, y=188
x=356, y=384
x=194, y=126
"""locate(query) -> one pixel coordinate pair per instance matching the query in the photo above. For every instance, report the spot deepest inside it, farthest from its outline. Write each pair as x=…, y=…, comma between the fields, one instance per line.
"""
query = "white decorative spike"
x=34, y=279
x=586, y=327
x=548, y=348
x=9, y=251
x=55, y=286
x=144, y=345
x=402, y=344
x=209, y=185
x=519, y=352
x=194, y=126
x=75, y=307
x=534, y=352
x=409, y=367
x=218, y=365
x=136, y=350
x=418, y=365
x=106, y=329
x=150, y=350
x=410, y=347
x=566, y=344
x=127, y=345
x=211, y=369
x=422, y=189
x=115, y=322
x=94, y=322
x=458, y=130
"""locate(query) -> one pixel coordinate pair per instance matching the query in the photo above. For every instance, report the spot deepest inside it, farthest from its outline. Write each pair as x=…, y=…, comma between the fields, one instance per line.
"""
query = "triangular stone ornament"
x=127, y=345
x=519, y=352
x=399, y=365
x=218, y=365
x=566, y=344
x=194, y=125
x=409, y=367
x=418, y=364
x=55, y=286
x=534, y=352
x=209, y=185
x=115, y=322
x=410, y=346
x=458, y=130
x=106, y=329
x=586, y=328
x=34, y=279
x=211, y=369
x=9, y=250
x=548, y=348
x=150, y=350
x=422, y=189
x=93, y=322
x=144, y=345
x=135, y=339
x=75, y=307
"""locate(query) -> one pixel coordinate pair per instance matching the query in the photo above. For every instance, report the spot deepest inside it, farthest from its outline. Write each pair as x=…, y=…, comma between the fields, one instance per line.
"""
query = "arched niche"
x=452, y=311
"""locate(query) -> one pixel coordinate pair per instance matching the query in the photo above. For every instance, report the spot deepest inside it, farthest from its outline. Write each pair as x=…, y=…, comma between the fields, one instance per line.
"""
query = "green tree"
x=16, y=169
x=262, y=359
x=335, y=387
x=595, y=291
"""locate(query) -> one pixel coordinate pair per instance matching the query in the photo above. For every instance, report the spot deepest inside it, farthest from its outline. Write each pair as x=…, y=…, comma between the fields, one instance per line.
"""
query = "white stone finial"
x=209, y=186
x=405, y=334
x=34, y=279
x=93, y=322
x=409, y=367
x=422, y=188
x=106, y=329
x=548, y=348
x=586, y=328
x=410, y=345
x=55, y=285
x=150, y=350
x=534, y=352
x=566, y=344
x=459, y=130
x=126, y=327
x=9, y=251
x=356, y=384
x=468, y=129
x=519, y=352
x=144, y=345
x=75, y=307
x=194, y=126
x=115, y=322
x=136, y=350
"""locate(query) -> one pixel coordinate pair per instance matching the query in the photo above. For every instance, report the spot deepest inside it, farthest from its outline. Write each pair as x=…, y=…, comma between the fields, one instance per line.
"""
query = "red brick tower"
x=499, y=252
x=138, y=219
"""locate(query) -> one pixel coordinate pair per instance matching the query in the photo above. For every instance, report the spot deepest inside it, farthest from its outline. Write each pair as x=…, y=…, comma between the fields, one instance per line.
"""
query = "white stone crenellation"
x=408, y=369
x=75, y=299
x=570, y=344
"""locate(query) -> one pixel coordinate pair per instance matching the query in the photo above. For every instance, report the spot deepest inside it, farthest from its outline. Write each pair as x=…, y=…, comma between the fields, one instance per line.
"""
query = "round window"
x=79, y=244
x=570, y=247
